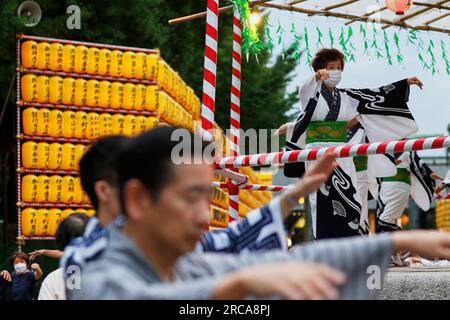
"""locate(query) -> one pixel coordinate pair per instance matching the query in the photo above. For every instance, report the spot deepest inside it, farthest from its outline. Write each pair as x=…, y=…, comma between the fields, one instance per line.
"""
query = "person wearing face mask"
x=23, y=280
x=331, y=117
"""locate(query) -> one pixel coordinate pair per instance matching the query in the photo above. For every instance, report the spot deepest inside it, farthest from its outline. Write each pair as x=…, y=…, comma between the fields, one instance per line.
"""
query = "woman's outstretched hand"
x=415, y=81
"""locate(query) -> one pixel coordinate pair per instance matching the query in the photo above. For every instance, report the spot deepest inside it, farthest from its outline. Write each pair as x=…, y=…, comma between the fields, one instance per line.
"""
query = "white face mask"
x=334, y=77
x=20, y=267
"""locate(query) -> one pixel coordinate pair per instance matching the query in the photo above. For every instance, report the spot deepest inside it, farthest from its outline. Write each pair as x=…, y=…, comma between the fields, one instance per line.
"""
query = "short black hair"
x=325, y=55
x=99, y=162
x=20, y=255
x=147, y=158
x=70, y=228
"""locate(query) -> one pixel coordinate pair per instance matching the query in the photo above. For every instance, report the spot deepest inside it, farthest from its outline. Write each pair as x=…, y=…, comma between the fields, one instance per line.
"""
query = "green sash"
x=326, y=131
x=402, y=175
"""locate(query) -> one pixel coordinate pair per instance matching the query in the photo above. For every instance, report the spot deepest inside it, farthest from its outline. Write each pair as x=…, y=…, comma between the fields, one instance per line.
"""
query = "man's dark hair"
x=70, y=228
x=147, y=158
x=325, y=55
x=20, y=255
x=100, y=163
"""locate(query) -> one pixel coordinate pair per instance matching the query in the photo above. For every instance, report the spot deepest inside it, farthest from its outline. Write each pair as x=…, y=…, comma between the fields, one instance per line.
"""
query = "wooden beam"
x=202, y=15
x=436, y=19
x=402, y=24
x=340, y=4
x=433, y=5
x=368, y=14
x=295, y=2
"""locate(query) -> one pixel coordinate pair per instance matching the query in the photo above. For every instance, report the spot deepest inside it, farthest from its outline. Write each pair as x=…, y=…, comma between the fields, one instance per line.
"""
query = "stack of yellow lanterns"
x=61, y=113
x=443, y=214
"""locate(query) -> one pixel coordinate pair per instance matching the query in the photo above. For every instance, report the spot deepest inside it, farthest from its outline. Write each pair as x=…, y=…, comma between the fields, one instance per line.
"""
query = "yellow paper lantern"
x=29, y=188
x=81, y=59
x=68, y=189
x=29, y=155
x=116, y=63
x=66, y=212
x=43, y=151
x=56, y=56
x=92, y=129
x=141, y=124
x=141, y=65
x=80, y=92
x=55, y=156
x=129, y=64
x=43, y=122
x=28, y=222
x=130, y=127
x=55, y=189
x=104, y=65
x=77, y=191
x=54, y=217
x=56, y=123
x=151, y=98
x=43, y=189
x=68, y=156
x=93, y=61
x=68, y=95
x=56, y=90
x=79, y=151
x=42, y=222
x=163, y=104
x=140, y=97
x=80, y=124
x=29, y=54
x=68, y=60
x=152, y=66
x=117, y=123
x=104, y=99
x=116, y=95
x=92, y=93
x=69, y=124
x=29, y=88
x=105, y=124
x=81, y=211
x=90, y=213
x=30, y=121
x=43, y=89
x=43, y=55
x=129, y=96
x=152, y=122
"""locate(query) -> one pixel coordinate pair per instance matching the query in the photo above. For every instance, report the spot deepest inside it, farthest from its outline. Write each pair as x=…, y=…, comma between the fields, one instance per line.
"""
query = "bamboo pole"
x=340, y=4
x=436, y=19
x=368, y=14
x=202, y=15
x=432, y=5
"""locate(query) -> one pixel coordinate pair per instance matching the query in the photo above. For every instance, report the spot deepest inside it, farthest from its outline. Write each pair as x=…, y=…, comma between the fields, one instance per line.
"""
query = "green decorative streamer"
x=269, y=38
x=433, y=59
x=445, y=57
x=296, y=44
x=308, y=50
x=251, y=41
x=374, y=44
x=363, y=31
x=280, y=32
x=319, y=38
x=330, y=34
x=412, y=36
x=342, y=43
x=386, y=47
x=351, y=48
x=399, y=55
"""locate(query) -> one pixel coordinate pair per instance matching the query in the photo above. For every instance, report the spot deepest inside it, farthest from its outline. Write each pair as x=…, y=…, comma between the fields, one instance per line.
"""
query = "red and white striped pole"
x=210, y=69
x=343, y=151
x=235, y=112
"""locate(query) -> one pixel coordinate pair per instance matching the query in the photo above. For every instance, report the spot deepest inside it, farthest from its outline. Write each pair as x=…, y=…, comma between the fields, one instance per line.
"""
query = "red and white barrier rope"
x=255, y=187
x=210, y=69
x=341, y=152
x=232, y=175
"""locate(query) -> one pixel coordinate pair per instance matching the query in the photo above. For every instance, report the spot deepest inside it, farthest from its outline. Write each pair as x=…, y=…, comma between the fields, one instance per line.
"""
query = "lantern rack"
x=55, y=205
x=54, y=139
x=49, y=171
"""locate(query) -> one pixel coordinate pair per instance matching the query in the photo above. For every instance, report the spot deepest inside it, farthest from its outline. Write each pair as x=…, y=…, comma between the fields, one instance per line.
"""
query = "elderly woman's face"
x=334, y=65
